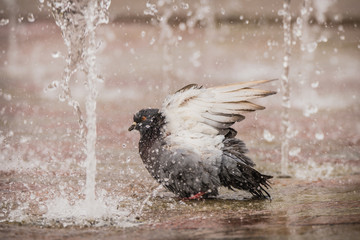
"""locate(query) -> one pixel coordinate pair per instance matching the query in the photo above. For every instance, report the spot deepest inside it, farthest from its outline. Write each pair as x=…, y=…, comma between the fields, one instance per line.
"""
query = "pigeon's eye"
x=143, y=118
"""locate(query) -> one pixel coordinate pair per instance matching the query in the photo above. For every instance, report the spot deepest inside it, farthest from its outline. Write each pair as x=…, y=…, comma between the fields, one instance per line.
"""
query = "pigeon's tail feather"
x=236, y=148
x=236, y=174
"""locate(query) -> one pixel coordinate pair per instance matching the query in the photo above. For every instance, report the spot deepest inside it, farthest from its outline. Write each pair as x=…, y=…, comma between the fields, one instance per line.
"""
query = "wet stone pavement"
x=323, y=209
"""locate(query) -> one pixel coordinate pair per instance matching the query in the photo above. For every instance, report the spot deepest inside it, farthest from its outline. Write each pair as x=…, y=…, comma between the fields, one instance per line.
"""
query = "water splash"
x=268, y=136
x=313, y=171
x=30, y=18
x=315, y=84
x=322, y=7
x=309, y=110
x=168, y=39
x=85, y=213
x=4, y=21
x=147, y=201
x=56, y=54
x=294, y=151
x=319, y=136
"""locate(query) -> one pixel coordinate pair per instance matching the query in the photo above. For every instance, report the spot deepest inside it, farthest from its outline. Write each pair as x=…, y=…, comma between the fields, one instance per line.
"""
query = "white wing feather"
x=195, y=117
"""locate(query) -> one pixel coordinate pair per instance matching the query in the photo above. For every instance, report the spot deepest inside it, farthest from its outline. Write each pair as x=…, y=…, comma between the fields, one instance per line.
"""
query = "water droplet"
x=291, y=133
x=52, y=86
x=184, y=5
x=281, y=12
x=319, y=136
x=323, y=39
x=152, y=41
x=124, y=145
x=7, y=96
x=32, y=196
x=143, y=34
x=315, y=84
x=20, y=19
x=310, y=47
x=62, y=98
x=148, y=12
x=182, y=26
x=337, y=17
x=309, y=110
x=56, y=54
x=30, y=18
x=151, y=9
x=4, y=22
x=100, y=79
x=268, y=136
x=194, y=59
x=297, y=31
x=294, y=151
x=24, y=139
x=286, y=104
x=342, y=37
x=303, y=11
x=241, y=17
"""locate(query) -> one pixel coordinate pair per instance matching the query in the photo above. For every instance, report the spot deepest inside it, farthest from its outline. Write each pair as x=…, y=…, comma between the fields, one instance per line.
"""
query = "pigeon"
x=189, y=147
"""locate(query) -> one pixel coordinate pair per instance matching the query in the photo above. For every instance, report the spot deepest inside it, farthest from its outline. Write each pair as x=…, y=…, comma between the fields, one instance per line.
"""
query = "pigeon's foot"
x=197, y=196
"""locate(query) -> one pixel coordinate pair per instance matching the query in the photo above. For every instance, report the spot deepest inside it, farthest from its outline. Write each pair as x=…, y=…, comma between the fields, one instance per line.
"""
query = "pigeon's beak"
x=132, y=127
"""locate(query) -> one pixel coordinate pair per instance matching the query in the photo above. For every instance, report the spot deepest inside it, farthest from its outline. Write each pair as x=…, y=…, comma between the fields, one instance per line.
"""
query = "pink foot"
x=197, y=196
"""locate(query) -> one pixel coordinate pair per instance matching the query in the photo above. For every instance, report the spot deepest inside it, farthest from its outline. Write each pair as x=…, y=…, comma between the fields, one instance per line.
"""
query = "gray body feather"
x=185, y=173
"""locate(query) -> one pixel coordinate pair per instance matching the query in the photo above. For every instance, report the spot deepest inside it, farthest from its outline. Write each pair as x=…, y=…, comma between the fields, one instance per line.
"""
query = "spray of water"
x=167, y=38
x=147, y=200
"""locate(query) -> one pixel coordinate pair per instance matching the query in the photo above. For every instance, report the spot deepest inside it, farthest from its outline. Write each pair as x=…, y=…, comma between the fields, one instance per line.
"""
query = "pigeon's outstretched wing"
x=203, y=116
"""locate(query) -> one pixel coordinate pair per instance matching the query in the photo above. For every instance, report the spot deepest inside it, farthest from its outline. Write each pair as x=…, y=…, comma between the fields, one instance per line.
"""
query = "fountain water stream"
x=12, y=52
x=306, y=36
x=285, y=87
x=78, y=21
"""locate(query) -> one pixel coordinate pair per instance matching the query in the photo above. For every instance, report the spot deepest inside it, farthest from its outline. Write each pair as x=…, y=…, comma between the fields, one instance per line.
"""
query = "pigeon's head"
x=145, y=119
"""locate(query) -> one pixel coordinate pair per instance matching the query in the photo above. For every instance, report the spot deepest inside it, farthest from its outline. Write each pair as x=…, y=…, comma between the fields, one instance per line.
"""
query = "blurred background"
x=152, y=48
x=329, y=10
